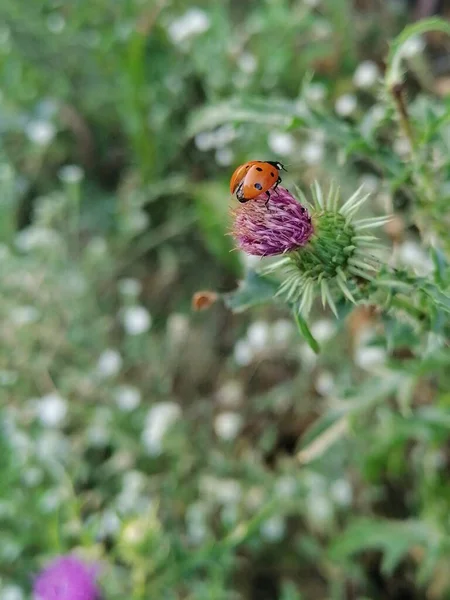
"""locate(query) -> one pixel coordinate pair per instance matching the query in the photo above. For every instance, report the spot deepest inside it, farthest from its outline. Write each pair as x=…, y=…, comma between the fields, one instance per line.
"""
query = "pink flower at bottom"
x=269, y=228
x=67, y=578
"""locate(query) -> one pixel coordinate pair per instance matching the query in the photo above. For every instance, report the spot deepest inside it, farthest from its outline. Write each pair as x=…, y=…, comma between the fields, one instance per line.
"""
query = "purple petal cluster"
x=67, y=578
x=282, y=225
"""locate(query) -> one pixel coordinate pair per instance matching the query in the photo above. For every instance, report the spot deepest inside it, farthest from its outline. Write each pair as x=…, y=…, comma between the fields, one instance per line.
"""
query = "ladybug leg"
x=277, y=184
x=267, y=200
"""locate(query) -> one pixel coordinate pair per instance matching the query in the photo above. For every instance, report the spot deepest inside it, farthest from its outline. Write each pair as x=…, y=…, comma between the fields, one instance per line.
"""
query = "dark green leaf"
x=253, y=290
x=305, y=332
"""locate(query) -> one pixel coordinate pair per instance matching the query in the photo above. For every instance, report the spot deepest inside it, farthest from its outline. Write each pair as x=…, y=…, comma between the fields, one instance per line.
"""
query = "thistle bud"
x=322, y=247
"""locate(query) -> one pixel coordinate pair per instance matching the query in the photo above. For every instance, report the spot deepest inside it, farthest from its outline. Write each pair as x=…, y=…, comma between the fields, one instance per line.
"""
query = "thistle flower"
x=267, y=230
x=67, y=578
x=323, y=248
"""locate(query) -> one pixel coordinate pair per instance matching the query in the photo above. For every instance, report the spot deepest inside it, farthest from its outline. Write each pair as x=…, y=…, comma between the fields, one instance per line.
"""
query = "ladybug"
x=254, y=178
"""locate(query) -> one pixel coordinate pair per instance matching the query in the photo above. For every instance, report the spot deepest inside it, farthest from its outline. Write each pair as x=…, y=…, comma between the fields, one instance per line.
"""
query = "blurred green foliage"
x=213, y=456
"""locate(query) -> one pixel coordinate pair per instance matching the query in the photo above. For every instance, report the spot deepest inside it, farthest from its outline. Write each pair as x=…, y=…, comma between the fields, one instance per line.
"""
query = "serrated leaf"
x=253, y=290
x=440, y=298
x=393, y=538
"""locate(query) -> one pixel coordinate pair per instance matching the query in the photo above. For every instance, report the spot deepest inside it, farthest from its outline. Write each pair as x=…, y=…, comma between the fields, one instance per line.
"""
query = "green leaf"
x=305, y=332
x=438, y=297
x=266, y=112
x=393, y=538
x=394, y=74
x=253, y=290
x=212, y=204
x=441, y=266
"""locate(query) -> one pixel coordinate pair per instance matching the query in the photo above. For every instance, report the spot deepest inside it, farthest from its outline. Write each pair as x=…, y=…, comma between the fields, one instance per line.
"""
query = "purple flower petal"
x=67, y=578
x=282, y=225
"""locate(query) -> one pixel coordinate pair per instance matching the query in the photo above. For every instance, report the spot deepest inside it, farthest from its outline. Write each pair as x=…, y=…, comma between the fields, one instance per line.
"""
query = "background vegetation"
x=213, y=455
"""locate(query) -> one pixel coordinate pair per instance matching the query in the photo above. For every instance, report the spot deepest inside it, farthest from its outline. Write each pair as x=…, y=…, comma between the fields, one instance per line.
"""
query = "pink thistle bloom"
x=282, y=225
x=67, y=578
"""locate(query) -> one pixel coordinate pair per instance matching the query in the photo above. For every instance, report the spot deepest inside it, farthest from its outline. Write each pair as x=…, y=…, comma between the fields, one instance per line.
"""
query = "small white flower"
x=127, y=397
x=231, y=393
x=315, y=92
x=258, y=335
x=227, y=425
x=136, y=320
x=366, y=74
x=204, y=141
x=346, y=105
x=325, y=383
x=301, y=108
x=177, y=328
x=34, y=238
x=40, y=132
x=196, y=522
x=286, y=486
x=243, y=353
x=51, y=446
x=224, y=135
x=71, y=174
x=194, y=22
x=51, y=409
x=224, y=156
x=402, y=147
x=307, y=356
x=56, y=22
x=32, y=476
x=320, y=511
x=281, y=143
x=370, y=182
x=24, y=315
x=97, y=248
x=412, y=47
x=224, y=491
x=133, y=482
x=109, y=524
x=282, y=331
x=323, y=330
x=313, y=152
x=10, y=550
x=370, y=357
x=273, y=529
x=413, y=256
x=130, y=287
x=342, y=493
x=11, y=592
x=159, y=420
x=247, y=63
x=254, y=498
x=98, y=434
x=109, y=363
x=8, y=378
x=322, y=29
x=136, y=221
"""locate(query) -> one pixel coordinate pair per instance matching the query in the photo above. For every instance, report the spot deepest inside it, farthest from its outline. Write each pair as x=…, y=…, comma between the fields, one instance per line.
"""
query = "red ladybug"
x=254, y=178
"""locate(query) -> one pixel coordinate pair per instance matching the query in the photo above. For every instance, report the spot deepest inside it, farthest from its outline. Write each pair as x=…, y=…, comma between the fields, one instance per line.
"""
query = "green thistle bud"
x=335, y=251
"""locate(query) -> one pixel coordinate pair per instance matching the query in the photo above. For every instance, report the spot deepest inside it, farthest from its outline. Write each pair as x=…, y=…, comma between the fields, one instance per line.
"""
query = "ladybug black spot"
x=258, y=186
x=258, y=169
x=272, y=174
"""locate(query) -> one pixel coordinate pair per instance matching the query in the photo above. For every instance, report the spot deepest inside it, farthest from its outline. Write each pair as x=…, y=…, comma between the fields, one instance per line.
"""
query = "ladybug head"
x=277, y=165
